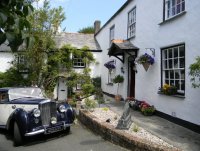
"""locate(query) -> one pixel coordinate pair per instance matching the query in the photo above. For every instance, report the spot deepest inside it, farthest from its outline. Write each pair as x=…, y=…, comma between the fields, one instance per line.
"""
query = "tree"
x=87, y=30
x=14, y=26
x=195, y=73
x=45, y=22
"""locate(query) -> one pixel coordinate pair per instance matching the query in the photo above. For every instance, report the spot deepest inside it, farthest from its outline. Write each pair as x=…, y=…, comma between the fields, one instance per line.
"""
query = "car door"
x=5, y=111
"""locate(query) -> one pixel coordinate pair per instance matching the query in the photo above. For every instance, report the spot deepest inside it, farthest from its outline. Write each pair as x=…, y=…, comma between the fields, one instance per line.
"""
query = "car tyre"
x=17, y=135
x=67, y=130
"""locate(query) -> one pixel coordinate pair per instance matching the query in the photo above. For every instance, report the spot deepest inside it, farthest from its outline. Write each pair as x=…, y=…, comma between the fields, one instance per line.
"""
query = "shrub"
x=90, y=104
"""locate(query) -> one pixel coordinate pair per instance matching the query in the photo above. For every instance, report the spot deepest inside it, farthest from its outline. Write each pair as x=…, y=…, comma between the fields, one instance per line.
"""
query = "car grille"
x=47, y=110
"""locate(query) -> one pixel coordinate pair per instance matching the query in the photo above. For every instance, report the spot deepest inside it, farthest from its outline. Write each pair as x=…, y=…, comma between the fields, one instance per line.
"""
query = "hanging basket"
x=146, y=66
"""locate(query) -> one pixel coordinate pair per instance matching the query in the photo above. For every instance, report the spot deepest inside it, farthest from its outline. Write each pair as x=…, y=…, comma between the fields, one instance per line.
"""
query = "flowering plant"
x=145, y=58
x=110, y=65
x=168, y=89
x=147, y=109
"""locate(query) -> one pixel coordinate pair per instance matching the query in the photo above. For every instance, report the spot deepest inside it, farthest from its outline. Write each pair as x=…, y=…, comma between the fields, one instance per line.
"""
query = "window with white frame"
x=112, y=33
x=22, y=63
x=174, y=7
x=78, y=62
x=132, y=22
x=173, y=67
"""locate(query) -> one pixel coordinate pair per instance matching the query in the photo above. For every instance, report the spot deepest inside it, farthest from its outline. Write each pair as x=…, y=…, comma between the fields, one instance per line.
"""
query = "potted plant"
x=147, y=109
x=118, y=79
x=146, y=60
x=168, y=89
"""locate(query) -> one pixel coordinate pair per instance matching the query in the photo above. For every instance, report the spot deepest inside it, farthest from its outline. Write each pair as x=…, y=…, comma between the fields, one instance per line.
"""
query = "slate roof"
x=78, y=40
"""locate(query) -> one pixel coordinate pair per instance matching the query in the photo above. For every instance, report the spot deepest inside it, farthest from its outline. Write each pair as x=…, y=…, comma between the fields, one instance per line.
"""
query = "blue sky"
x=83, y=13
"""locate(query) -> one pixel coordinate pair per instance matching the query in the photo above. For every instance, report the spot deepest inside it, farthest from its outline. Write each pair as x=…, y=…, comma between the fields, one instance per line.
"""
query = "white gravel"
x=104, y=114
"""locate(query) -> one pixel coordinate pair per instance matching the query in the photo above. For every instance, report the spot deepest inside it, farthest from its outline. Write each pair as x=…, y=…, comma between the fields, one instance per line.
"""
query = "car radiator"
x=47, y=110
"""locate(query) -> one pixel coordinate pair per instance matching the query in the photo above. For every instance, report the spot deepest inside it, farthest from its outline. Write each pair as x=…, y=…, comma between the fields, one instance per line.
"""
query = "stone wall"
x=108, y=132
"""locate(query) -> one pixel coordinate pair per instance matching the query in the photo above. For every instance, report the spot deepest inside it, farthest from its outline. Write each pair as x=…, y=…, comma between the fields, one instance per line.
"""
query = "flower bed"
x=136, y=138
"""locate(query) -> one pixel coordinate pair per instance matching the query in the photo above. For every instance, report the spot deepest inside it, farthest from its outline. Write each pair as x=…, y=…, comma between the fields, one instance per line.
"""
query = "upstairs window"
x=78, y=62
x=173, y=67
x=131, y=23
x=112, y=33
x=174, y=7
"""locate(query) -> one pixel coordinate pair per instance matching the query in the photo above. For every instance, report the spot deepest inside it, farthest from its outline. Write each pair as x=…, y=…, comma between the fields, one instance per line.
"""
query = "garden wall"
x=108, y=132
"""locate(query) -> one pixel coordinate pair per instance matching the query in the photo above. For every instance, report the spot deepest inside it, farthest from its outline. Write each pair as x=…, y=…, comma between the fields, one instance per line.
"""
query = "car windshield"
x=17, y=93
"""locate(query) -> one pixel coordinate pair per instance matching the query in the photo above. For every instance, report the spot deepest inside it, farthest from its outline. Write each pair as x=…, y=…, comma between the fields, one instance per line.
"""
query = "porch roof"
x=120, y=47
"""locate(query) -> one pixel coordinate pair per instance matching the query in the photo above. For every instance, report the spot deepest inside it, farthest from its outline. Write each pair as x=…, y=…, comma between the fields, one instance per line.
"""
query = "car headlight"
x=36, y=112
x=62, y=108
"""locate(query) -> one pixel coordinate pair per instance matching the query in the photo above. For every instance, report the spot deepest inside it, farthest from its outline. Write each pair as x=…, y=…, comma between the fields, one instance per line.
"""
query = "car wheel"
x=67, y=130
x=17, y=135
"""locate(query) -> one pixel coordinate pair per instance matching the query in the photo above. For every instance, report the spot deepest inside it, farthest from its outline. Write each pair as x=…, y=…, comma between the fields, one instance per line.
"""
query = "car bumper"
x=49, y=129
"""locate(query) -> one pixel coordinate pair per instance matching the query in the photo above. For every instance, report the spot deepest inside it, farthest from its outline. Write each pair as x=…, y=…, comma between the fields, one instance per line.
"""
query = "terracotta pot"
x=118, y=97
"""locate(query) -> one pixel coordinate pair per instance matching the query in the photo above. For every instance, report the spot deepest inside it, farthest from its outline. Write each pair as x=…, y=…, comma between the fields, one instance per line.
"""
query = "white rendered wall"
x=149, y=34
x=5, y=59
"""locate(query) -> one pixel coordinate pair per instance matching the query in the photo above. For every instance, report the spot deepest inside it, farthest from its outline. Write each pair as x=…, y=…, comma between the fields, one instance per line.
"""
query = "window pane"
x=181, y=51
x=171, y=74
x=182, y=62
x=182, y=85
x=167, y=74
x=177, y=75
x=170, y=53
x=176, y=52
x=171, y=82
x=165, y=54
x=176, y=63
x=167, y=81
x=178, y=8
x=177, y=85
x=182, y=74
x=170, y=63
x=183, y=5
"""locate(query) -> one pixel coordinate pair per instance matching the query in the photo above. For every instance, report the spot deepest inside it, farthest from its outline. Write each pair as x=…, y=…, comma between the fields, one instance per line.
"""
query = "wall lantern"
x=122, y=70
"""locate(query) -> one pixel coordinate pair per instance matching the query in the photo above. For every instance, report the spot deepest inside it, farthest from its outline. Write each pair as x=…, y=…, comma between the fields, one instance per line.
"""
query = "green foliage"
x=88, y=88
x=72, y=103
x=12, y=78
x=195, y=73
x=105, y=109
x=118, y=79
x=87, y=30
x=90, y=104
x=14, y=26
x=135, y=128
x=97, y=82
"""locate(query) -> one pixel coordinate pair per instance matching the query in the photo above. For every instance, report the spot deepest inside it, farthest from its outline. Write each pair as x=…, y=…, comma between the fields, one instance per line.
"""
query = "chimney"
x=97, y=26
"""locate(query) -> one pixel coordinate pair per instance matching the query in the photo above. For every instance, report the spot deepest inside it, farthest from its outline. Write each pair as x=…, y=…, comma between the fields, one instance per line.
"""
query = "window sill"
x=131, y=37
x=110, y=84
x=78, y=67
x=172, y=18
x=176, y=95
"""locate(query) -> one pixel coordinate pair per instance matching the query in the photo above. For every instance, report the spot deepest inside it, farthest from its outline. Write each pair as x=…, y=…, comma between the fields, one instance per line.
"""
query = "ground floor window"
x=173, y=67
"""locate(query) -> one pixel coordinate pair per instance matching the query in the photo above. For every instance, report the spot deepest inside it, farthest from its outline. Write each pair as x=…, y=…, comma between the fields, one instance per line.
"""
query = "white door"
x=62, y=89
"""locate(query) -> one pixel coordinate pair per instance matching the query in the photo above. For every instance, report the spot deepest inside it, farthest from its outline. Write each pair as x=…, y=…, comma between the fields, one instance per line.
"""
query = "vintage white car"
x=26, y=112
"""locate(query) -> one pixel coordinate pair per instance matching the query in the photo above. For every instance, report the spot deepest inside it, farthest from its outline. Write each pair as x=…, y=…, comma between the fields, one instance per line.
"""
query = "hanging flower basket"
x=110, y=65
x=146, y=60
x=146, y=66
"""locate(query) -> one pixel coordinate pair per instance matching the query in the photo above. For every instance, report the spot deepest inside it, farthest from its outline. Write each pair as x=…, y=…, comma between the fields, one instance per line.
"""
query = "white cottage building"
x=78, y=40
x=168, y=30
